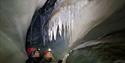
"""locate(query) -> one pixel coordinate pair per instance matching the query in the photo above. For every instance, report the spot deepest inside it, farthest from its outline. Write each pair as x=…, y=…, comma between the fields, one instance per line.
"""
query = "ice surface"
x=65, y=19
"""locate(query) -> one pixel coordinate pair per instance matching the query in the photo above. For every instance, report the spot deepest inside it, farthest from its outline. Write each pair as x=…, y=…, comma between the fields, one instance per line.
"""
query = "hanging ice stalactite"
x=64, y=19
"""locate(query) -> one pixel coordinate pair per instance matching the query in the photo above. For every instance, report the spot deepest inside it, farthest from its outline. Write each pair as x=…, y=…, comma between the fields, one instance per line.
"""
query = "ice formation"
x=64, y=19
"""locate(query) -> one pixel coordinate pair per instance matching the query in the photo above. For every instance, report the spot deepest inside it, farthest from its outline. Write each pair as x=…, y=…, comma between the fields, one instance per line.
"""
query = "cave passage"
x=72, y=31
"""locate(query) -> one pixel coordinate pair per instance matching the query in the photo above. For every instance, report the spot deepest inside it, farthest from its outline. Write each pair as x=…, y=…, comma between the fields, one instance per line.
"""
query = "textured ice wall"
x=15, y=17
x=78, y=17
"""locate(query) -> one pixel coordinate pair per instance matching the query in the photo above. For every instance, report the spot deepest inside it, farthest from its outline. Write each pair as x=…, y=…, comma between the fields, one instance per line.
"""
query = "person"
x=47, y=56
x=34, y=55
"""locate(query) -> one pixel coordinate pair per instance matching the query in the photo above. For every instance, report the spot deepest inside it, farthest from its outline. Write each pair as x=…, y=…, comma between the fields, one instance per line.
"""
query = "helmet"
x=31, y=50
x=49, y=49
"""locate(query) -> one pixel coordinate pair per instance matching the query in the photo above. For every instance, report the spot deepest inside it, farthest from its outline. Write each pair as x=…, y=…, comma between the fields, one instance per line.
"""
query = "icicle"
x=55, y=31
x=60, y=26
x=50, y=35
